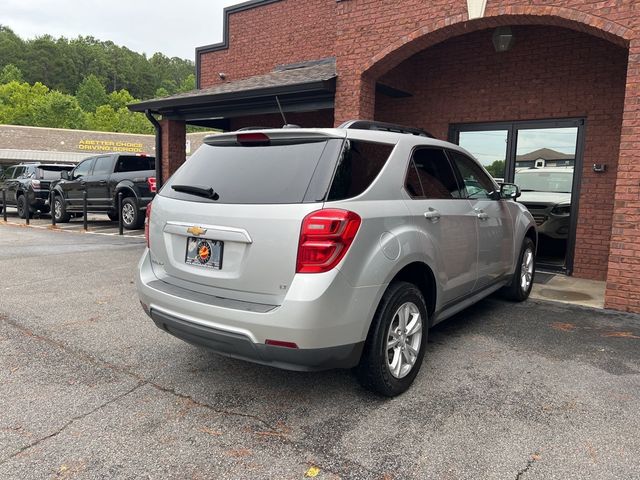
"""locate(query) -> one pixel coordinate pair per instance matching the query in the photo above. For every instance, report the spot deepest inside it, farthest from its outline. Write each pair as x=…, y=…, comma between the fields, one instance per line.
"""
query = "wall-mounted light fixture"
x=503, y=39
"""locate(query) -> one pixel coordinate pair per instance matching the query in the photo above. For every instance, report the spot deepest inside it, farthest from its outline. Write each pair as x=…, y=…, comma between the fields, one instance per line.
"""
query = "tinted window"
x=83, y=168
x=430, y=175
x=358, y=166
x=133, y=163
x=8, y=173
x=50, y=172
x=477, y=183
x=103, y=166
x=19, y=171
x=250, y=174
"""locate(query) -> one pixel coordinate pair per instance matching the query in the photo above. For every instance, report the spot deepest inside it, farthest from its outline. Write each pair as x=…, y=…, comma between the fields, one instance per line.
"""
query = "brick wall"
x=549, y=73
x=371, y=37
x=173, y=146
x=279, y=33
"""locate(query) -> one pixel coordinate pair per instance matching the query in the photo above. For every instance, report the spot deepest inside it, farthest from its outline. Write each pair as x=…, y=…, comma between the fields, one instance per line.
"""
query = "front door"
x=75, y=187
x=495, y=224
x=541, y=157
x=447, y=219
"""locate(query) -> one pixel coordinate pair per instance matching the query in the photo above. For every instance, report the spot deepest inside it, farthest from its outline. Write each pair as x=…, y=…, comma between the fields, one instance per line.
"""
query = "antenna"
x=284, y=119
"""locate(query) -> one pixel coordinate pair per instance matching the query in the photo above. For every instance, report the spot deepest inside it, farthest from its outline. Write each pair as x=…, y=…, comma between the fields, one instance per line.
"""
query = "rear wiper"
x=198, y=191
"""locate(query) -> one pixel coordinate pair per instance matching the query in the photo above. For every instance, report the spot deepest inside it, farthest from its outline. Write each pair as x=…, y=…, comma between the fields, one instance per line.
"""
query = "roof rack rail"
x=387, y=127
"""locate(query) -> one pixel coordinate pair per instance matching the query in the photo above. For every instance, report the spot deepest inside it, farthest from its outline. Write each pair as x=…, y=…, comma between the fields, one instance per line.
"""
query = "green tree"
x=161, y=92
x=18, y=102
x=91, y=94
x=10, y=73
x=120, y=99
x=496, y=169
x=188, y=83
x=58, y=110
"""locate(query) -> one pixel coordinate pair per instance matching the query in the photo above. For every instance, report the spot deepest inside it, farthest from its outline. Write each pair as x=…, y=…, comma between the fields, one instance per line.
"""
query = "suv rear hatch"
x=240, y=201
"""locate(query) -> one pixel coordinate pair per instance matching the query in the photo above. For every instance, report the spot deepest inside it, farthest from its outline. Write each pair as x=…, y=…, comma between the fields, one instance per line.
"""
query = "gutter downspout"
x=158, y=128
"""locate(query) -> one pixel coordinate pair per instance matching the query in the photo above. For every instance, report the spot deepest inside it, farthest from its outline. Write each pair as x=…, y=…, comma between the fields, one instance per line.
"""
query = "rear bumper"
x=327, y=319
x=239, y=346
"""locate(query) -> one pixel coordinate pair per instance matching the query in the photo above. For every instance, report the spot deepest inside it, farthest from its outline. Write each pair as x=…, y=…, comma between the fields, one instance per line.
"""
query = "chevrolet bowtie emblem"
x=196, y=231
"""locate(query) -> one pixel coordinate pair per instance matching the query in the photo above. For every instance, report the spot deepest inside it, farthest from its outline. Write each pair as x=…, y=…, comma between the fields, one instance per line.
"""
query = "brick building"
x=503, y=76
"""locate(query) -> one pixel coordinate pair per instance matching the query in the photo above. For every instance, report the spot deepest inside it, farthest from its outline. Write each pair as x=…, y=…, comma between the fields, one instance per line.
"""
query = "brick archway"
x=355, y=96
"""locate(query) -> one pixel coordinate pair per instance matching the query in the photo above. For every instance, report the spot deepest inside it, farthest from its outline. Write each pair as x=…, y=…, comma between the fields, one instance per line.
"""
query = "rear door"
x=446, y=219
x=260, y=189
x=6, y=182
x=495, y=225
x=97, y=183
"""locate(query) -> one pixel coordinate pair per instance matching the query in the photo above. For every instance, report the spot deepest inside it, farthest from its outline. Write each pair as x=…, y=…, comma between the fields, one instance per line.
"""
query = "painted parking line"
x=78, y=228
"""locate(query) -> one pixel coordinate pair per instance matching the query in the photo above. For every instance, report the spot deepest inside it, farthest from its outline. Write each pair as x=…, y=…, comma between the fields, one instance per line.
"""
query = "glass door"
x=541, y=157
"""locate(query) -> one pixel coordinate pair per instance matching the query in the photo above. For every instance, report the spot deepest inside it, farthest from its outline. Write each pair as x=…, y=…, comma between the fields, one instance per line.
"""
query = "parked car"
x=103, y=177
x=546, y=192
x=310, y=249
x=27, y=186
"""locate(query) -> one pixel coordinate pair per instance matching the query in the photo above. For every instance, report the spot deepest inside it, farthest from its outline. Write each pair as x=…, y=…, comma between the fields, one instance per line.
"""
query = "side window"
x=8, y=173
x=359, y=165
x=476, y=182
x=83, y=168
x=19, y=171
x=103, y=166
x=430, y=175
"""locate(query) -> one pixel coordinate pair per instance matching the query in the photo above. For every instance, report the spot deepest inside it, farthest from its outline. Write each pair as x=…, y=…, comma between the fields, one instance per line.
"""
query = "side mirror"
x=65, y=175
x=509, y=190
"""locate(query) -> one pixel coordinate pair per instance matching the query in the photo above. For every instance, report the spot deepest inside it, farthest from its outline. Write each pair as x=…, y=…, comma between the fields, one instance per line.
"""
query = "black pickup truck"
x=103, y=177
x=26, y=186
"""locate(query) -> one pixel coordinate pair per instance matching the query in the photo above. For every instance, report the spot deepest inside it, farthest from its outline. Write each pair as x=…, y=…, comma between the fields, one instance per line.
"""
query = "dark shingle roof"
x=285, y=76
x=546, y=154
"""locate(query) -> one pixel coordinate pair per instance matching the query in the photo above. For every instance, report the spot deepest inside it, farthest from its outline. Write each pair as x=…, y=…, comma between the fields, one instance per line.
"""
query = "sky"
x=145, y=26
x=488, y=146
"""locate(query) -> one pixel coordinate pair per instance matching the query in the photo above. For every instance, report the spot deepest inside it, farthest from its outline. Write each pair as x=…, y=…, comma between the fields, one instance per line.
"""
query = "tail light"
x=151, y=181
x=325, y=237
x=35, y=184
x=147, y=221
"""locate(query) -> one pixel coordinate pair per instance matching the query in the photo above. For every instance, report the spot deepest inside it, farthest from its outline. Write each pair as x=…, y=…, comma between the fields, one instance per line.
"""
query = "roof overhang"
x=299, y=89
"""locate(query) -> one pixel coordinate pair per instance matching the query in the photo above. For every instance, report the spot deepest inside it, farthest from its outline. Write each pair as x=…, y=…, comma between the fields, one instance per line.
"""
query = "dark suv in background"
x=103, y=177
x=27, y=186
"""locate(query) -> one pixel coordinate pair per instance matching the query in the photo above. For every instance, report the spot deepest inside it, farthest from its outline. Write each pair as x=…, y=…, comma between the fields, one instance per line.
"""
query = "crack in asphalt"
x=530, y=462
x=71, y=422
x=348, y=466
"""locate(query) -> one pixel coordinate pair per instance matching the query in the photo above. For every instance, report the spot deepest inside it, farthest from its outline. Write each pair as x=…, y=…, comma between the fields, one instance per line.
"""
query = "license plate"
x=204, y=253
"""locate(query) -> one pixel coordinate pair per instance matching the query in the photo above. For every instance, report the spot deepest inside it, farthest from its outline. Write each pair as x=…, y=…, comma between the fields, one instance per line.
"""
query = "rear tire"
x=522, y=281
x=392, y=354
x=60, y=210
x=23, y=209
x=131, y=218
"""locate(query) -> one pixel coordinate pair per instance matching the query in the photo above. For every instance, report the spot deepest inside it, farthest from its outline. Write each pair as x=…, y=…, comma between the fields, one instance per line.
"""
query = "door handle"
x=102, y=182
x=432, y=214
x=481, y=214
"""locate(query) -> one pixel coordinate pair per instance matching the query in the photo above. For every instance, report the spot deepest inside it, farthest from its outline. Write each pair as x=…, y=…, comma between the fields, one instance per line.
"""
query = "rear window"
x=274, y=174
x=133, y=163
x=51, y=172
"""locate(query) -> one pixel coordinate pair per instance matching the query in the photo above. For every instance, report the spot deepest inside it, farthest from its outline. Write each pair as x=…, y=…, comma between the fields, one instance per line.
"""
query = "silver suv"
x=310, y=249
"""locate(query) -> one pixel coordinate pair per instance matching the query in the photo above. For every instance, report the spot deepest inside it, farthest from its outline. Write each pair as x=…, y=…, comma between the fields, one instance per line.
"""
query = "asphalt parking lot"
x=92, y=389
x=98, y=224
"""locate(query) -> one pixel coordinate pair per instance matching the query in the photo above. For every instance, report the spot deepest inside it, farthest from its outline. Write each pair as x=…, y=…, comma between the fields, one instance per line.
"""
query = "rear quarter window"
x=358, y=166
x=133, y=163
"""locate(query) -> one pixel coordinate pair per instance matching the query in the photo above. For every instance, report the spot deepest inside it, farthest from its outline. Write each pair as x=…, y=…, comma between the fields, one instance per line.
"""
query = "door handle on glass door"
x=432, y=214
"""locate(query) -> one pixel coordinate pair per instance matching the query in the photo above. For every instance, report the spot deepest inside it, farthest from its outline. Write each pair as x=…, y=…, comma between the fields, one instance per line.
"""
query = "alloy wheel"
x=526, y=270
x=128, y=213
x=403, y=340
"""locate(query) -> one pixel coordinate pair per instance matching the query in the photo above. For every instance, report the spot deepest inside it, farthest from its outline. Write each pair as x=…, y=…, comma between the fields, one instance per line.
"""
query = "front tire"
x=396, y=343
x=522, y=281
x=131, y=218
